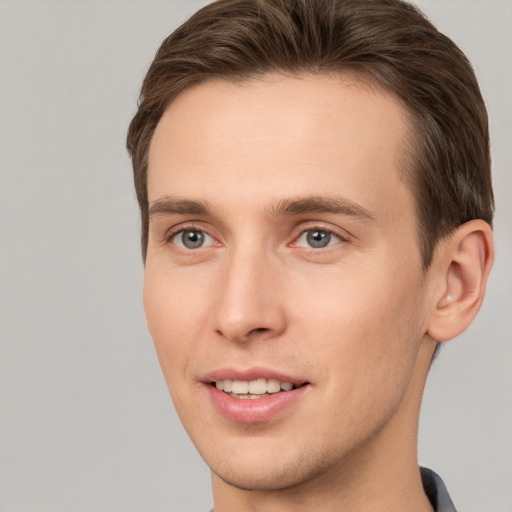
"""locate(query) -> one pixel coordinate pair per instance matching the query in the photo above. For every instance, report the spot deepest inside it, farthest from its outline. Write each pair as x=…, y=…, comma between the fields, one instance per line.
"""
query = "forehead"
x=335, y=133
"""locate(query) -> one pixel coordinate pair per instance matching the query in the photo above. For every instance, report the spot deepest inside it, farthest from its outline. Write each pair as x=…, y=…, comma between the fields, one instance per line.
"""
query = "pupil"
x=318, y=239
x=193, y=239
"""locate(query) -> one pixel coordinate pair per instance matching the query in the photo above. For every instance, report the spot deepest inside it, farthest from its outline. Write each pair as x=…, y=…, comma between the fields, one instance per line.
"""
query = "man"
x=314, y=184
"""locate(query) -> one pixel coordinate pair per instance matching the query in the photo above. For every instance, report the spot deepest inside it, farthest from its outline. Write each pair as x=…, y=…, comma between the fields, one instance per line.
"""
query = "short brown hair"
x=389, y=42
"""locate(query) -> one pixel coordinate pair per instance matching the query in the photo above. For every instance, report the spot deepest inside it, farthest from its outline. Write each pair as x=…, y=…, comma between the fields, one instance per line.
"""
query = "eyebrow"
x=172, y=206
x=287, y=207
x=321, y=204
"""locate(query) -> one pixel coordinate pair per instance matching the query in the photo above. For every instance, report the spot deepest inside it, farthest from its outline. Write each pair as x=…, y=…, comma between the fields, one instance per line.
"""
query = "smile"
x=253, y=389
x=254, y=400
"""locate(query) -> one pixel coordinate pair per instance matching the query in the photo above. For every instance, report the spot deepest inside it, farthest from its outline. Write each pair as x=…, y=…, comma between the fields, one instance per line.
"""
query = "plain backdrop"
x=86, y=423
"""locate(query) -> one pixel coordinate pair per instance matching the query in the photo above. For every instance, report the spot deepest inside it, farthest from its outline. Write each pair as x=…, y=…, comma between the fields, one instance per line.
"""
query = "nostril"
x=258, y=330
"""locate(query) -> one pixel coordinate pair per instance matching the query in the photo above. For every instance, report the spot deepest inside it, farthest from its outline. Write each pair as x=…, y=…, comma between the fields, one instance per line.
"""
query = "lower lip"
x=254, y=410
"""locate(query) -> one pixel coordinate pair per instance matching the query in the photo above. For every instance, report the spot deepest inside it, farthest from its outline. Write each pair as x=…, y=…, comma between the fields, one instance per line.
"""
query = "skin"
x=354, y=319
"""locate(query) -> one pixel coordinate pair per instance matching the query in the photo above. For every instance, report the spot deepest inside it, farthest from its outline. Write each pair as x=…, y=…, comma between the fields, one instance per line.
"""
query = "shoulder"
x=436, y=491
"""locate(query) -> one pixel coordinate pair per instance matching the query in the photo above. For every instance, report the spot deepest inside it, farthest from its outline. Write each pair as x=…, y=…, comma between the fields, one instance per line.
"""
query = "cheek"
x=174, y=319
x=359, y=299
x=364, y=326
x=366, y=341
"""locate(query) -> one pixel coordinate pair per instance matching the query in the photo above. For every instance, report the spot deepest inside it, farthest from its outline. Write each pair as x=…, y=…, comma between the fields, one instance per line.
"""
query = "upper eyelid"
x=184, y=226
x=295, y=241
x=176, y=236
x=343, y=234
x=301, y=228
x=168, y=239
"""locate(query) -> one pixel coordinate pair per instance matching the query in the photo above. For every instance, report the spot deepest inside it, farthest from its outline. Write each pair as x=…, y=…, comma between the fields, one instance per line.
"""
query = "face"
x=283, y=289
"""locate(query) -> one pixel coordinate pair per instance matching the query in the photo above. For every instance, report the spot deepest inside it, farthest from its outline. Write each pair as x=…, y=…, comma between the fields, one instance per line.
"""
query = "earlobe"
x=463, y=261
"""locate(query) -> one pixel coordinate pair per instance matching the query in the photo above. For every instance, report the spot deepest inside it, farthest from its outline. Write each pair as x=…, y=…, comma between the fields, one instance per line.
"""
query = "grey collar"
x=436, y=491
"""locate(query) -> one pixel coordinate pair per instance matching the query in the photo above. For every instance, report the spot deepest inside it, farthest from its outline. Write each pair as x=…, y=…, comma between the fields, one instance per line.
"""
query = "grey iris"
x=192, y=239
x=318, y=239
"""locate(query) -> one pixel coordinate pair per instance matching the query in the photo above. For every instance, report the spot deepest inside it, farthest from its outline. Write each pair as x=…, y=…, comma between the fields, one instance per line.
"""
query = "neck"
x=381, y=475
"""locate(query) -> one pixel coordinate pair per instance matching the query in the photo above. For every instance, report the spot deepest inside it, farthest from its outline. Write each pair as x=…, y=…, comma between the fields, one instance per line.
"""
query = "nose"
x=250, y=300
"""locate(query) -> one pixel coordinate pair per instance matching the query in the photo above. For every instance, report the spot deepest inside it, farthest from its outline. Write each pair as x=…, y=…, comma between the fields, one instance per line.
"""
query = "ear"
x=462, y=263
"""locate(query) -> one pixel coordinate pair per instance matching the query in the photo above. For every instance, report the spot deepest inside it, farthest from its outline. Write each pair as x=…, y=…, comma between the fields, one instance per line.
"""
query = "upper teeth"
x=254, y=387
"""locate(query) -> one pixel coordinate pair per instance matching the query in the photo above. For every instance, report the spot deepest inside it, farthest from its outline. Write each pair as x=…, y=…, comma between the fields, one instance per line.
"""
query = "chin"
x=262, y=479
x=269, y=471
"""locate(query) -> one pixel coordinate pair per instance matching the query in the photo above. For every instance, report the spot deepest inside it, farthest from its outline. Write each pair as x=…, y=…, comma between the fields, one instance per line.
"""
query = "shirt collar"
x=436, y=491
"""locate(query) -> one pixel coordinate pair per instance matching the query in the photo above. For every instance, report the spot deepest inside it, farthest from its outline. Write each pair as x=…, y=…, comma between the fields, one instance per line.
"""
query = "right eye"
x=192, y=239
x=317, y=238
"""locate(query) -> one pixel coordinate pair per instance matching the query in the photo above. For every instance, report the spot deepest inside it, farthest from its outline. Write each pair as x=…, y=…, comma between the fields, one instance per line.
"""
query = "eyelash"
x=172, y=233
x=313, y=228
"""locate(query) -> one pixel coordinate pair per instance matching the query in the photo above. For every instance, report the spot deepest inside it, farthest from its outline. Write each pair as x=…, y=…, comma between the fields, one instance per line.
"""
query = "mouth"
x=254, y=396
x=254, y=389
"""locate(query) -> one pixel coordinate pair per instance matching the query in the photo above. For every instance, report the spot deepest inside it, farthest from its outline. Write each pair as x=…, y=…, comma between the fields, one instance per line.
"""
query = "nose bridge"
x=249, y=302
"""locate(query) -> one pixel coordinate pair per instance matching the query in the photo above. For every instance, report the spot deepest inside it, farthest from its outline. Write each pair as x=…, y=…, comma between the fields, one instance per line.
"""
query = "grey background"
x=86, y=423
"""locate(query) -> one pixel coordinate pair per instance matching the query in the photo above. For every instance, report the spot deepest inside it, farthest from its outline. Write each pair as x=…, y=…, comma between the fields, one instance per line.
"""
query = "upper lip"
x=249, y=374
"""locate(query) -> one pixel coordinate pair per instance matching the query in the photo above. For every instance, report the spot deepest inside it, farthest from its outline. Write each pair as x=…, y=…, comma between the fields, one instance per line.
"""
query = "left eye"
x=317, y=238
x=192, y=239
